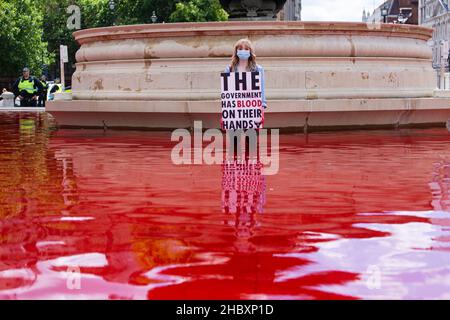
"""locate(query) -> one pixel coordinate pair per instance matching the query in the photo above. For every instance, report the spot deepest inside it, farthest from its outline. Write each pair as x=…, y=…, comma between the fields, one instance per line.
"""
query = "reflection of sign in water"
x=241, y=101
x=243, y=187
x=440, y=186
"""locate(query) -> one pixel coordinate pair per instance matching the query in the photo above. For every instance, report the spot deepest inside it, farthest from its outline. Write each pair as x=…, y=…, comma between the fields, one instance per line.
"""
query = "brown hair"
x=251, y=61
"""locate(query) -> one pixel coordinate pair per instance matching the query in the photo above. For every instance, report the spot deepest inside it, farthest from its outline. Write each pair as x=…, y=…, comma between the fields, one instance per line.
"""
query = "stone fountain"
x=252, y=10
x=318, y=74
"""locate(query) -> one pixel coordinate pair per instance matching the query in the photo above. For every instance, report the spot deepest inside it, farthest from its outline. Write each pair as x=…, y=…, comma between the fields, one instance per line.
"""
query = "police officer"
x=43, y=95
x=55, y=88
x=27, y=89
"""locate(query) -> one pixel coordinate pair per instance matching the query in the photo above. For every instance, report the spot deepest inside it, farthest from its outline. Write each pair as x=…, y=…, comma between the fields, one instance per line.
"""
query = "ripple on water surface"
x=350, y=215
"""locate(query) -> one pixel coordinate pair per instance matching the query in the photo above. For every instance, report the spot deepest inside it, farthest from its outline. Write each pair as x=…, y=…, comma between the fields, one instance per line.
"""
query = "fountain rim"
x=239, y=28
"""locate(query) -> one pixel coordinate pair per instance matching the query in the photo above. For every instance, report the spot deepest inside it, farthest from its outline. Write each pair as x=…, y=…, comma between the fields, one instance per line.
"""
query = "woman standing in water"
x=244, y=60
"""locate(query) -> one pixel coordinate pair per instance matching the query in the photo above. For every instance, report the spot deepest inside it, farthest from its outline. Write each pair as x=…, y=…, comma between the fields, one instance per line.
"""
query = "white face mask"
x=243, y=54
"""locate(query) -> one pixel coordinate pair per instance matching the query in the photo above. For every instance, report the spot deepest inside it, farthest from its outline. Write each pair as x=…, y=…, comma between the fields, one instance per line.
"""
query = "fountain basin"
x=318, y=74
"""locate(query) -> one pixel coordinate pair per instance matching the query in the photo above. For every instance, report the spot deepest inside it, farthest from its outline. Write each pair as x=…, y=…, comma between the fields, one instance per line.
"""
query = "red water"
x=350, y=215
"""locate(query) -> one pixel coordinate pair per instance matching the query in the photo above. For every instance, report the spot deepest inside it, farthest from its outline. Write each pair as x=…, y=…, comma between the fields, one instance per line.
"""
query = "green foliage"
x=32, y=30
x=55, y=31
x=140, y=11
x=21, y=42
x=198, y=11
x=95, y=13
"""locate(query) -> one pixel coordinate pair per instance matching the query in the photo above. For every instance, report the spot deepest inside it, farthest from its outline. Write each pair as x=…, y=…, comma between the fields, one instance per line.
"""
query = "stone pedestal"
x=319, y=74
x=63, y=96
x=303, y=60
x=252, y=10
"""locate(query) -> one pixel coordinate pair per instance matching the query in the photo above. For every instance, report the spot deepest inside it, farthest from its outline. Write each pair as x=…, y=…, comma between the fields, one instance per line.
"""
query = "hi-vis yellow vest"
x=27, y=85
x=44, y=85
x=59, y=86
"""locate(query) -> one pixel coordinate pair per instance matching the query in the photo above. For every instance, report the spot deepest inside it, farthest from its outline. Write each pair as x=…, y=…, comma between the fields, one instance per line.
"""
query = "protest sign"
x=242, y=107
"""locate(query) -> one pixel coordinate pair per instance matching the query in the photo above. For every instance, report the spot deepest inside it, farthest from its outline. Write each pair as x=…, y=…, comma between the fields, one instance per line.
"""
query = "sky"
x=337, y=10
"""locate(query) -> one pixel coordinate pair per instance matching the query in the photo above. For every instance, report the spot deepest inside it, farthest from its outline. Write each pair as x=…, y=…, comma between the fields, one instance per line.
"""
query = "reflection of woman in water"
x=440, y=186
x=244, y=60
x=243, y=195
x=243, y=186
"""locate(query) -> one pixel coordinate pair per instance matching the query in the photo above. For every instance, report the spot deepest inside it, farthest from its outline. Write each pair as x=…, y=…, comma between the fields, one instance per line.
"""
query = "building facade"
x=435, y=14
x=398, y=11
x=292, y=11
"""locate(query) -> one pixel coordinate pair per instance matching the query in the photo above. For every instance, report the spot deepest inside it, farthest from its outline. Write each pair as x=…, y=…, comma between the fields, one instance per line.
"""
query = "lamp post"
x=384, y=12
x=112, y=7
x=154, y=17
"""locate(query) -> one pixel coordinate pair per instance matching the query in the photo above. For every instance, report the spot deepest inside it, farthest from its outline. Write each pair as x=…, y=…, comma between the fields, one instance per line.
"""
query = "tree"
x=141, y=11
x=21, y=42
x=198, y=11
x=32, y=31
x=94, y=13
x=55, y=30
